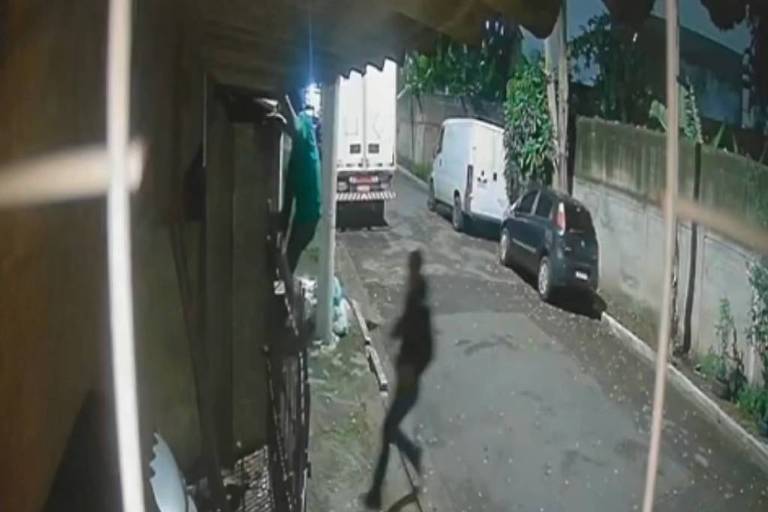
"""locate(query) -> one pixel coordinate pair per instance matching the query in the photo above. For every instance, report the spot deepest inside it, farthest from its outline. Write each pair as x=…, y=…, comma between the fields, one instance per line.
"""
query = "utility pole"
x=556, y=64
x=330, y=114
x=670, y=229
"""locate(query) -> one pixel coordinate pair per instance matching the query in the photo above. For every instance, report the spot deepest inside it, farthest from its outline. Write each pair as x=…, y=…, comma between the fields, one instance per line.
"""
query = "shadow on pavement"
x=578, y=302
x=360, y=216
x=582, y=303
x=487, y=230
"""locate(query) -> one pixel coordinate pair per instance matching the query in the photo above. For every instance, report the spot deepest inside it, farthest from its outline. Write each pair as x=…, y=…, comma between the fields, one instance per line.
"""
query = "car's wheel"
x=544, y=282
x=505, y=243
x=431, y=202
x=457, y=216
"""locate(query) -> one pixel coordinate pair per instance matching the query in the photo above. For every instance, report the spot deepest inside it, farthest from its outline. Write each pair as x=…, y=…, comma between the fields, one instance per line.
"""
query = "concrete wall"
x=620, y=176
x=419, y=121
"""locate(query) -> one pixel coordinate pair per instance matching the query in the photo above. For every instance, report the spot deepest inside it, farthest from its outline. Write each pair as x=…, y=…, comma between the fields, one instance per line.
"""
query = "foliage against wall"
x=472, y=72
x=528, y=128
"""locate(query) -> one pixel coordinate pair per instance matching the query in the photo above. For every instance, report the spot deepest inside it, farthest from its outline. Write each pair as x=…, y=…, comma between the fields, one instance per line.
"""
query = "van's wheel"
x=431, y=203
x=544, y=282
x=457, y=216
x=505, y=242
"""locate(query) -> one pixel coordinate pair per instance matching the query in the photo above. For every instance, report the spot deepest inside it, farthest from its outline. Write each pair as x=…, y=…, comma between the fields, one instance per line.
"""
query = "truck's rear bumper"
x=364, y=196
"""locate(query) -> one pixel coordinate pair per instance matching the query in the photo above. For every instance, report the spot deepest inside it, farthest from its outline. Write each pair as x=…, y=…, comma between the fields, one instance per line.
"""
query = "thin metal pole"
x=119, y=252
x=673, y=135
x=330, y=108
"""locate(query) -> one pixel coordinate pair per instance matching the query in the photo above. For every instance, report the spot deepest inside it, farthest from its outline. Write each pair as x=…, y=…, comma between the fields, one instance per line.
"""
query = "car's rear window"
x=578, y=219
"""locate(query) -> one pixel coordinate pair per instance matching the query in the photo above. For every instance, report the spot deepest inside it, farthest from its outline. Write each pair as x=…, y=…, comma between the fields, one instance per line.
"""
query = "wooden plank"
x=370, y=351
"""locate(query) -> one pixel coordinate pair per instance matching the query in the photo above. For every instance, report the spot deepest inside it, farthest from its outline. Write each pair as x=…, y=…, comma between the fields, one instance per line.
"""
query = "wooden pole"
x=673, y=153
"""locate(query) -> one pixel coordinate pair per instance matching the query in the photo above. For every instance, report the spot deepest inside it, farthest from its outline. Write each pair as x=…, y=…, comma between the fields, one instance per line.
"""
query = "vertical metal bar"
x=673, y=135
x=119, y=252
x=364, y=80
x=330, y=108
x=562, y=95
x=205, y=120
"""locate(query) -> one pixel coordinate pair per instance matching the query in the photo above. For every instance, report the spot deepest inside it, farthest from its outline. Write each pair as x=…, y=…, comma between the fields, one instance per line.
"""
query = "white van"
x=468, y=171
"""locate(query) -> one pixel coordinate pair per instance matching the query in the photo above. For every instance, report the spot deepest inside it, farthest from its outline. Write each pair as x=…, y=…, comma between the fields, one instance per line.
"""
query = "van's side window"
x=526, y=203
x=440, y=142
x=544, y=207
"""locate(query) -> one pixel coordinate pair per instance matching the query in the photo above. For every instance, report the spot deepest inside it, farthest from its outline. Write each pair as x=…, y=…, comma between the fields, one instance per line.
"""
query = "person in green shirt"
x=302, y=184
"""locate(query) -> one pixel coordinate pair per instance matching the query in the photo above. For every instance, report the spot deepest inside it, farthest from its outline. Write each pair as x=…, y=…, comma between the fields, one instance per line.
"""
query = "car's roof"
x=472, y=121
x=558, y=195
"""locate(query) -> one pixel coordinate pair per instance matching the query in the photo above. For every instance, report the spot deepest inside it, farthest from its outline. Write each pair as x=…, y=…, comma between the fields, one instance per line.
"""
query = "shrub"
x=731, y=369
x=528, y=129
x=754, y=401
x=710, y=364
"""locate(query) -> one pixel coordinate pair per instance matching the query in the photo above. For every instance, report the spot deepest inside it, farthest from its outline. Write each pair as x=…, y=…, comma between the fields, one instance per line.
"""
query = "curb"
x=758, y=450
x=415, y=179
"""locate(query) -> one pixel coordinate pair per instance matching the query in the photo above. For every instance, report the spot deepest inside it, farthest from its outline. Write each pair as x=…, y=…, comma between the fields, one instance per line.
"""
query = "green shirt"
x=303, y=180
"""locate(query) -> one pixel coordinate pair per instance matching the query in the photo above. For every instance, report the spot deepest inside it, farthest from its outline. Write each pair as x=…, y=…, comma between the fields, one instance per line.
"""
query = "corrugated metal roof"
x=270, y=45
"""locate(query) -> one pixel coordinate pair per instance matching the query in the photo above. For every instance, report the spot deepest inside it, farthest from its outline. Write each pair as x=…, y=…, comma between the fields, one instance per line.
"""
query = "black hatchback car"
x=552, y=235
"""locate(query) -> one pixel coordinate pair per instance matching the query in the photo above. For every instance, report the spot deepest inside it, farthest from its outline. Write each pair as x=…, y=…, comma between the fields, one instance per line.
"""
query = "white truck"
x=365, y=143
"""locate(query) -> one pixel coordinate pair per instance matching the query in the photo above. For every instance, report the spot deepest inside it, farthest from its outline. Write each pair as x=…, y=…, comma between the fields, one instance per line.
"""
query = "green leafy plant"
x=710, y=365
x=690, y=120
x=456, y=69
x=422, y=170
x=724, y=328
x=528, y=128
x=757, y=333
x=731, y=361
x=622, y=91
x=754, y=401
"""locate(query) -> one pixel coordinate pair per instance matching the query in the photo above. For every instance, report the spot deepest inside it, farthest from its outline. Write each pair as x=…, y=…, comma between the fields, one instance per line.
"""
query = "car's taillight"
x=560, y=218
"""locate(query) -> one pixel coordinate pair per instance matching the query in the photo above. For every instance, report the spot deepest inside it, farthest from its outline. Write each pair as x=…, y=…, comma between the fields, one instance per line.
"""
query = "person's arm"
x=292, y=127
x=288, y=195
x=293, y=120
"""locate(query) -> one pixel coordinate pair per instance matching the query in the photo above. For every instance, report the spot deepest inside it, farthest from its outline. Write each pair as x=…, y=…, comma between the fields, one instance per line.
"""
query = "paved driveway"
x=532, y=407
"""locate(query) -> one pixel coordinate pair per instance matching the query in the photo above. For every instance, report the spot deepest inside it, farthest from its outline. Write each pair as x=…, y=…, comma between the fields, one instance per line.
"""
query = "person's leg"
x=404, y=444
x=373, y=498
x=395, y=414
x=301, y=235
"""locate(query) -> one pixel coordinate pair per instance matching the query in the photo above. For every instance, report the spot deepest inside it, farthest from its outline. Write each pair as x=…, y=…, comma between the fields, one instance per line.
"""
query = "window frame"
x=519, y=208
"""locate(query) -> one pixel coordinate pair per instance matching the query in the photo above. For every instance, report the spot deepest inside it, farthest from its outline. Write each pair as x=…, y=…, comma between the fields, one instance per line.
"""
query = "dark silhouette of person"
x=414, y=328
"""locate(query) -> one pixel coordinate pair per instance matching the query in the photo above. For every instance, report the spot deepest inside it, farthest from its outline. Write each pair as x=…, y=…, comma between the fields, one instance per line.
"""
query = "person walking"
x=414, y=328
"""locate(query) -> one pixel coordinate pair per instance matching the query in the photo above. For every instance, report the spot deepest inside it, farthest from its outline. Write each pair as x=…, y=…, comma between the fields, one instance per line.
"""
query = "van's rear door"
x=488, y=176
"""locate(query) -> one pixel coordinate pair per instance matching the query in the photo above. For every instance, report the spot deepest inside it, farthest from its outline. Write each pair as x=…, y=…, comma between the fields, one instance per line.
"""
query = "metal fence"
x=288, y=385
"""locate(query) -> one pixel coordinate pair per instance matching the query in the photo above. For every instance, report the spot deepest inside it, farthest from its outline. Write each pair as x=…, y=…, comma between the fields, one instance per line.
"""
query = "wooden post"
x=218, y=275
x=556, y=66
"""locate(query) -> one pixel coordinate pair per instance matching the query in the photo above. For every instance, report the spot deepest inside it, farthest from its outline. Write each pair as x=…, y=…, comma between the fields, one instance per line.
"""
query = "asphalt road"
x=533, y=407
